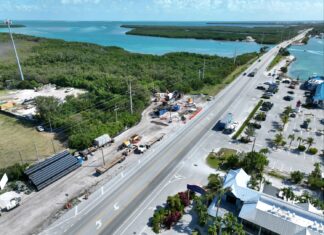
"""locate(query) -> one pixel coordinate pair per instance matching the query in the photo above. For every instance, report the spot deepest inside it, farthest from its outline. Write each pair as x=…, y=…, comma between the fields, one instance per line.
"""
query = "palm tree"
x=292, y=138
x=278, y=140
x=284, y=119
x=288, y=110
x=288, y=193
x=309, y=141
x=264, y=151
x=250, y=132
x=299, y=139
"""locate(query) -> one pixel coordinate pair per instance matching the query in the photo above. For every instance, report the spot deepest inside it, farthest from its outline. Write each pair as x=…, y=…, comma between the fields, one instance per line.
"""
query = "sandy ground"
x=39, y=209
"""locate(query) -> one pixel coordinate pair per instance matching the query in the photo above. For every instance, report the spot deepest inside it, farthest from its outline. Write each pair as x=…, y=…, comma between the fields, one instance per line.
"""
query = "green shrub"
x=301, y=148
x=312, y=151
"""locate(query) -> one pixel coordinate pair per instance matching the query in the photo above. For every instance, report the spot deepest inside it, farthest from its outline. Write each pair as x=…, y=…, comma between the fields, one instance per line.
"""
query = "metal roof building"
x=265, y=214
x=45, y=173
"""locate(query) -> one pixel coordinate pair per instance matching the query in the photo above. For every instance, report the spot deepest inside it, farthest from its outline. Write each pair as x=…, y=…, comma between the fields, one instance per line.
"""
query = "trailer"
x=102, y=141
x=154, y=140
x=107, y=166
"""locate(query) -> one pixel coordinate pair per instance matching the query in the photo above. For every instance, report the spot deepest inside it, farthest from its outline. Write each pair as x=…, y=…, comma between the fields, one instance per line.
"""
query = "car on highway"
x=262, y=88
x=288, y=98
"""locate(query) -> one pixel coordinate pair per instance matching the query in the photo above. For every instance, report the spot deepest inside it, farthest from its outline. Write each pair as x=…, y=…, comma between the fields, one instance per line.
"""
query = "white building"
x=264, y=214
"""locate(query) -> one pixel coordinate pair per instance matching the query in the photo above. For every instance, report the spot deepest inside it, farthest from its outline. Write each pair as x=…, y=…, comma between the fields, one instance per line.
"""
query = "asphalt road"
x=107, y=216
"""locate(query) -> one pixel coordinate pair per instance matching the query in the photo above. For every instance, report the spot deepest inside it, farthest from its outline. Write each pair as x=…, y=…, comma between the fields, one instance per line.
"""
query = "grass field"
x=214, y=160
x=16, y=137
x=275, y=61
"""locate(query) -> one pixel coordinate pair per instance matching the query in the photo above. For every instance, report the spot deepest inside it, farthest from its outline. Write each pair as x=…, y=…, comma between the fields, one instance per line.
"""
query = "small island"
x=12, y=26
x=259, y=33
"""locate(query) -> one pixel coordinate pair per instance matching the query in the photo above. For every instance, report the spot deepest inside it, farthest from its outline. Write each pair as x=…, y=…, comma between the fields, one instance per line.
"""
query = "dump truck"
x=154, y=140
x=102, y=141
x=107, y=166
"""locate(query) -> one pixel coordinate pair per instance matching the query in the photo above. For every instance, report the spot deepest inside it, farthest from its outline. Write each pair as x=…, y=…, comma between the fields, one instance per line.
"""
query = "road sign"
x=3, y=181
x=196, y=188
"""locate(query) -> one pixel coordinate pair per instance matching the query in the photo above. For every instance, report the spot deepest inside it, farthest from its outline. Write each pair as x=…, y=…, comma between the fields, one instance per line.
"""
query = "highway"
x=110, y=213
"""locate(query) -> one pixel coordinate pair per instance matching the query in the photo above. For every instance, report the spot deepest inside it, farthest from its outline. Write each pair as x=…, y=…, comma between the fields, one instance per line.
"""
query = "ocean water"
x=309, y=59
x=111, y=34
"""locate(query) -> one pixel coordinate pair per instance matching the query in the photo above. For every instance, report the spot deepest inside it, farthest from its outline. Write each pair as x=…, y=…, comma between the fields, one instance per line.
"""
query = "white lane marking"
x=98, y=224
x=122, y=174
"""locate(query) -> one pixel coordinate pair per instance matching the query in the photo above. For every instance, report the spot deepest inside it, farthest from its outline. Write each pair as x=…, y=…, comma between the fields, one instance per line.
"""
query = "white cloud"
x=75, y=2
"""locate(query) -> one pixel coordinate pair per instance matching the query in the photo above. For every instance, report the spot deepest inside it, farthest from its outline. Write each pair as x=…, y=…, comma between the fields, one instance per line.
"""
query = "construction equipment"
x=107, y=166
x=134, y=139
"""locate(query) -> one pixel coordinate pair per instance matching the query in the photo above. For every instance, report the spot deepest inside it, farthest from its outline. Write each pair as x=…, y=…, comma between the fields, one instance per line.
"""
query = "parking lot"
x=287, y=158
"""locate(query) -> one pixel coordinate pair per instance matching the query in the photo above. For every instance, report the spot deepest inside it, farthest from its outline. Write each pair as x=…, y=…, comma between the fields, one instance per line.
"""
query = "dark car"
x=288, y=98
x=291, y=87
x=244, y=74
x=292, y=115
x=286, y=81
x=291, y=92
x=262, y=88
x=264, y=96
x=267, y=104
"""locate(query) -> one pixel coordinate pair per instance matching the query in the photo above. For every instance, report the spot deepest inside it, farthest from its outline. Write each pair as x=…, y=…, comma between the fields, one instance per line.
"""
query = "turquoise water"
x=309, y=59
x=111, y=34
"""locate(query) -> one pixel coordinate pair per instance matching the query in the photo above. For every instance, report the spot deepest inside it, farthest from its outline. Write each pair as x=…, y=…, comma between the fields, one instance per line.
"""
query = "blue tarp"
x=319, y=94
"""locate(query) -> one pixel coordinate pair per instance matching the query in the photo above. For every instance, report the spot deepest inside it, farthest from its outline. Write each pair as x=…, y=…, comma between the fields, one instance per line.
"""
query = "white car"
x=40, y=128
x=141, y=148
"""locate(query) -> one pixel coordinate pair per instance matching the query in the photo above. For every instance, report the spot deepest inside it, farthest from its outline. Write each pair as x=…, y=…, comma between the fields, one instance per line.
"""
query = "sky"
x=163, y=10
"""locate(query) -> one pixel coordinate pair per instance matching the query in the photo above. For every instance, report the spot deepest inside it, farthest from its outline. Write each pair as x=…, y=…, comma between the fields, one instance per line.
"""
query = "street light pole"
x=8, y=23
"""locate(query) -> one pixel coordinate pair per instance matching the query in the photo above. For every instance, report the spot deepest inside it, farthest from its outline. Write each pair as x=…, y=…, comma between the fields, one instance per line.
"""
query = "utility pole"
x=204, y=69
x=36, y=151
x=235, y=56
x=8, y=23
x=53, y=146
x=116, y=109
x=22, y=162
x=49, y=119
x=130, y=95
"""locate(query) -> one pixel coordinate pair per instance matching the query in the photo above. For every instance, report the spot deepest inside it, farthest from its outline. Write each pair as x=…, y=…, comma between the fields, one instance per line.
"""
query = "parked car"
x=266, y=106
x=268, y=93
x=291, y=92
x=288, y=98
x=40, y=128
x=291, y=87
x=292, y=115
x=264, y=96
x=322, y=121
x=262, y=88
x=244, y=74
x=287, y=81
